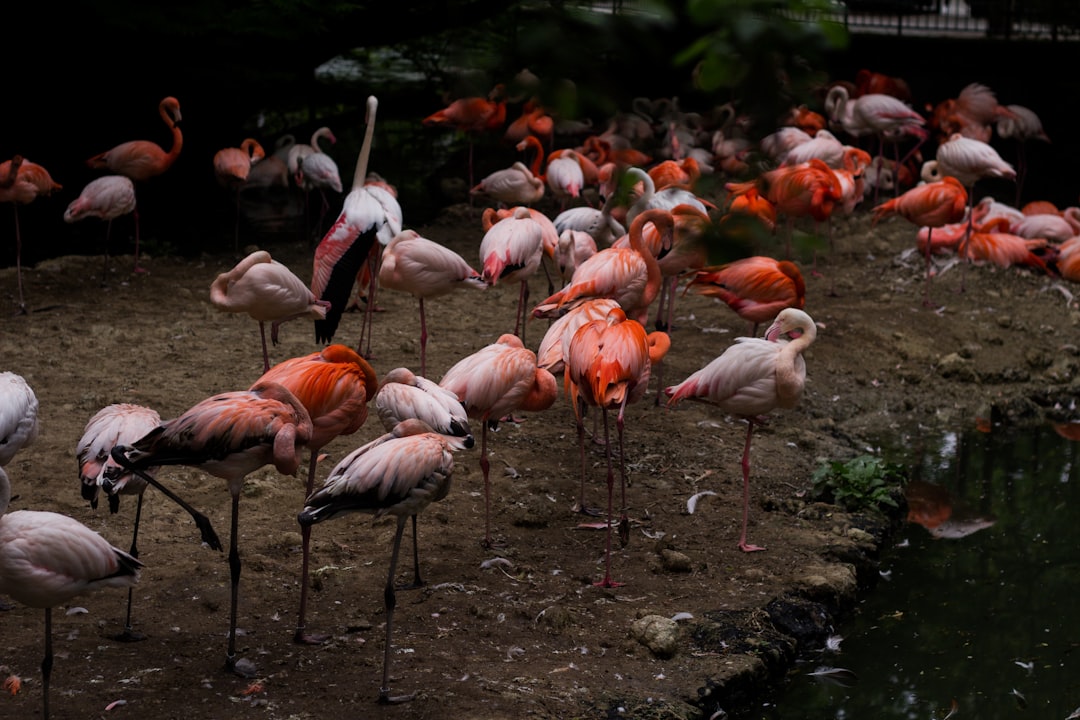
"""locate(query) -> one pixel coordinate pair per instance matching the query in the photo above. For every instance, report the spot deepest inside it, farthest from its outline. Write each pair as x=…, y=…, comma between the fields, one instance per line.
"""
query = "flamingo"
x=665, y=199
x=112, y=425
x=228, y=435
x=968, y=160
x=1067, y=262
x=564, y=177
x=334, y=385
x=574, y=248
x=631, y=276
x=472, y=116
x=232, y=166
x=18, y=415
x=757, y=288
x=1021, y=124
x=296, y=153
x=425, y=269
x=399, y=473
x=990, y=243
x=370, y=213
x=141, y=160
x=403, y=395
x=932, y=205
x=22, y=183
x=551, y=355
x=319, y=171
x=496, y=380
x=548, y=233
x=107, y=197
x=511, y=251
x=369, y=271
x=608, y=367
x=47, y=558
x=268, y=292
x=515, y=185
x=688, y=251
x=751, y=378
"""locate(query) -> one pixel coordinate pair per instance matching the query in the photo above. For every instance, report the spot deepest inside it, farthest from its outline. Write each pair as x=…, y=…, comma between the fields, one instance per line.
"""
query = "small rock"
x=659, y=634
x=675, y=561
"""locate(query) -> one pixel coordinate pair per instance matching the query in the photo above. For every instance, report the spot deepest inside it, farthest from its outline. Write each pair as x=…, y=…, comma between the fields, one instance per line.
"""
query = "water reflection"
x=988, y=619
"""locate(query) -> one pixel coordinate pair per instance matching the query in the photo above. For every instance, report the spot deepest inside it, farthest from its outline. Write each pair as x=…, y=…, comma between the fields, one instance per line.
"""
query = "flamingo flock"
x=620, y=223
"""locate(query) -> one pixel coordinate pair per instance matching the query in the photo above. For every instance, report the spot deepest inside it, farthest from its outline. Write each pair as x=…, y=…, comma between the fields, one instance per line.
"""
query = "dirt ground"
x=522, y=631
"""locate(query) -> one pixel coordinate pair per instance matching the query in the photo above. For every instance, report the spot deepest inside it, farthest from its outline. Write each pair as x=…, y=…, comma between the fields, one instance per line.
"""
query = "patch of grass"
x=862, y=483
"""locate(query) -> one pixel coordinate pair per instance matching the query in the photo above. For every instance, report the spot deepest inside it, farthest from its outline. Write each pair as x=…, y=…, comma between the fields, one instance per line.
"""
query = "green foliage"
x=865, y=482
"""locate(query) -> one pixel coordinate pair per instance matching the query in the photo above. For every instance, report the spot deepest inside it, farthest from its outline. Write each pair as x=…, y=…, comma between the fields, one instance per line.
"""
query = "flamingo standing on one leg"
x=608, y=367
x=112, y=425
x=141, y=160
x=228, y=435
x=334, y=386
x=425, y=269
x=752, y=378
x=107, y=197
x=22, y=182
x=757, y=288
x=47, y=558
x=399, y=473
x=492, y=382
x=267, y=291
x=371, y=213
x=932, y=205
x=472, y=116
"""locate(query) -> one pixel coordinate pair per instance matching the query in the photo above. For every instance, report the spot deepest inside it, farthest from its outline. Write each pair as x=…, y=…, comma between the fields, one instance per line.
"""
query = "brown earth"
x=528, y=635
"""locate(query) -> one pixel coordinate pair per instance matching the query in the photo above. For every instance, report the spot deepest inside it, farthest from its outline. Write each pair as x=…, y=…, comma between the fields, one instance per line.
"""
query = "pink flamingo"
x=47, y=559
x=112, y=425
x=757, y=288
x=334, y=385
x=228, y=435
x=496, y=380
x=425, y=269
x=399, y=473
x=608, y=367
x=511, y=251
x=18, y=415
x=370, y=214
x=751, y=378
x=141, y=160
x=268, y=292
x=108, y=197
x=515, y=185
x=22, y=182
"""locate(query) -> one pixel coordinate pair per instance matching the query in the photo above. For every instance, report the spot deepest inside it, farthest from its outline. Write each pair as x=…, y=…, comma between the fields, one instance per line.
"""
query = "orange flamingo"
x=268, y=292
x=228, y=435
x=108, y=197
x=425, y=269
x=631, y=276
x=492, y=382
x=232, y=166
x=1067, y=262
x=751, y=378
x=118, y=424
x=141, y=160
x=472, y=116
x=608, y=367
x=757, y=288
x=370, y=213
x=989, y=243
x=511, y=251
x=47, y=559
x=399, y=473
x=334, y=386
x=932, y=205
x=22, y=182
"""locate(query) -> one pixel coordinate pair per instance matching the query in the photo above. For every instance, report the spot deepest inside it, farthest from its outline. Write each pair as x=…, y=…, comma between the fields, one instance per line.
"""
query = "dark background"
x=92, y=79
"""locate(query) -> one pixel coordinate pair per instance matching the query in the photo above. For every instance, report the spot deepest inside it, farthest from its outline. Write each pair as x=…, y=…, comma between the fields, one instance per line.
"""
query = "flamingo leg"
x=607, y=582
x=301, y=636
x=390, y=601
x=743, y=545
x=129, y=634
x=582, y=507
x=266, y=354
x=926, y=291
x=417, y=580
x=46, y=664
x=234, y=578
x=375, y=260
x=624, y=521
x=105, y=269
x=18, y=261
x=485, y=467
x=423, y=340
x=137, y=268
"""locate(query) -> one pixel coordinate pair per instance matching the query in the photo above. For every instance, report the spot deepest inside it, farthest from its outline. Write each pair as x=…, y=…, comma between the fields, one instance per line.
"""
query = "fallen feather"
x=682, y=616
x=495, y=562
x=115, y=704
x=691, y=504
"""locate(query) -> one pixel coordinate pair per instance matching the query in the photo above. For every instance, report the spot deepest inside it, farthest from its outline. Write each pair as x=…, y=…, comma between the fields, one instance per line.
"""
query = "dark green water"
x=989, y=619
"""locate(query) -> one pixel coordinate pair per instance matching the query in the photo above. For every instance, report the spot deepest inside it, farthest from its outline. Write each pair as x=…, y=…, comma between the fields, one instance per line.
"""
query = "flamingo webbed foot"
x=385, y=698
x=129, y=635
x=302, y=637
x=748, y=548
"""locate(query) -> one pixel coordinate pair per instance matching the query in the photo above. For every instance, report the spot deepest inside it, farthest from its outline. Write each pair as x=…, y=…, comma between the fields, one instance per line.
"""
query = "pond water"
x=977, y=611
